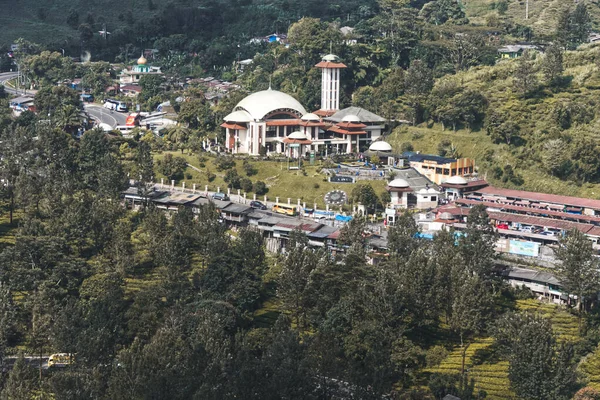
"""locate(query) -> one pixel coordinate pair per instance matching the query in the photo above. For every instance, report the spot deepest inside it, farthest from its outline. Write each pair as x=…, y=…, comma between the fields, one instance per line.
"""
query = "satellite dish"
x=336, y=197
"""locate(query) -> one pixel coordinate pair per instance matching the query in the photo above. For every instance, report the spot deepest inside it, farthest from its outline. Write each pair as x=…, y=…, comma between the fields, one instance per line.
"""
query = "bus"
x=60, y=360
x=287, y=209
x=115, y=105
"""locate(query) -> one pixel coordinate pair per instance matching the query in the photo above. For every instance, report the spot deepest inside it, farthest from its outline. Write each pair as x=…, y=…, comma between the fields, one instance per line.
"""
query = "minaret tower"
x=330, y=84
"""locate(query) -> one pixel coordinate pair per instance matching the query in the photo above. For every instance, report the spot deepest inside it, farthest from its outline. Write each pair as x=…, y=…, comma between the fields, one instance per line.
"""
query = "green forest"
x=157, y=306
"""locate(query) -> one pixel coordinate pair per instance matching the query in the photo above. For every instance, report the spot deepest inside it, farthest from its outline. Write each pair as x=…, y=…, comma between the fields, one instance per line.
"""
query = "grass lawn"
x=282, y=183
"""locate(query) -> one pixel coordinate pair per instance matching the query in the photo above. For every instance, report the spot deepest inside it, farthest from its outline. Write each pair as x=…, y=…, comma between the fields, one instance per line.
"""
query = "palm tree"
x=179, y=135
x=68, y=118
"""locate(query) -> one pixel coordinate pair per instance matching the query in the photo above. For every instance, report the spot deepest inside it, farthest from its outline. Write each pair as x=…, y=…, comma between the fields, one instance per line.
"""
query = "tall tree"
x=524, y=79
x=552, y=64
x=578, y=268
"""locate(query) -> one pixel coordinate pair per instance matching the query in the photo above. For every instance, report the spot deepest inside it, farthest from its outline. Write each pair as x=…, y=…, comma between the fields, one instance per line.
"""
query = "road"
x=103, y=115
x=6, y=76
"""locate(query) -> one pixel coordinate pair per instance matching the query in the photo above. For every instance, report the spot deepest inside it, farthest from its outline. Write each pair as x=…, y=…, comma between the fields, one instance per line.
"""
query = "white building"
x=267, y=117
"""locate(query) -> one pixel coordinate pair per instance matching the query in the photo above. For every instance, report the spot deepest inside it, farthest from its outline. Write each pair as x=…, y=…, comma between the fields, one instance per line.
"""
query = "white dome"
x=262, y=103
x=380, y=146
x=398, y=183
x=310, y=117
x=330, y=58
x=238, y=116
x=456, y=180
x=432, y=190
x=423, y=191
x=350, y=118
x=297, y=136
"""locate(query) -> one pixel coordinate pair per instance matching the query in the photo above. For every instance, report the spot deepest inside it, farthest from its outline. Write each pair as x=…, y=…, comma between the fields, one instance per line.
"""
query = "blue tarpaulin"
x=343, y=218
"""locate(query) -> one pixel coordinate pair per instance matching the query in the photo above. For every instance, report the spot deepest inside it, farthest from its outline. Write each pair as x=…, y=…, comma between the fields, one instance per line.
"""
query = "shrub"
x=246, y=184
x=188, y=176
x=316, y=185
x=260, y=188
x=223, y=163
x=210, y=176
x=392, y=175
x=435, y=355
x=406, y=146
x=249, y=168
x=232, y=178
x=172, y=167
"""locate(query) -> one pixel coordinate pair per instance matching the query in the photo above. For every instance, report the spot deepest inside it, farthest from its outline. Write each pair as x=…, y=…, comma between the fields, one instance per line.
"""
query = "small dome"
x=446, y=216
x=238, y=116
x=380, y=146
x=350, y=118
x=297, y=136
x=432, y=190
x=330, y=58
x=310, y=117
x=457, y=180
x=398, y=183
x=423, y=191
x=142, y=61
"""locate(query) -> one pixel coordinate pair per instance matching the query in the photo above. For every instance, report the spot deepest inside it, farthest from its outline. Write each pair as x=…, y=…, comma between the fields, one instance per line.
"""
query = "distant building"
x=439, y=169
x=133, y=75
x=516, y=50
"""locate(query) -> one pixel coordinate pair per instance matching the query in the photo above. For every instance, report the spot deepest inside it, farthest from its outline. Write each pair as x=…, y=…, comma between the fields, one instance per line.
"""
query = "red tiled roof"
x=296, y=141
x=541, y=197
x=329, y=64
x=232, y=126
x=325, y=113
x=345, y=131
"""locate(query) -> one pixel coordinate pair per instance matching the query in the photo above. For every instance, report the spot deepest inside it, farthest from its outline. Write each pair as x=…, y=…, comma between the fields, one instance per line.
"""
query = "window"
x=433, y=198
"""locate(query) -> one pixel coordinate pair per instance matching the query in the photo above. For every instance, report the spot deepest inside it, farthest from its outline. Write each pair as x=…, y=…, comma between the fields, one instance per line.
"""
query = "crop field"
x=491, y=372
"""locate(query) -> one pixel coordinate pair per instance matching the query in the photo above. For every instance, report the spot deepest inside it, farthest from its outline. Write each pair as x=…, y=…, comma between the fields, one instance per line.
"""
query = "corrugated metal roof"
x=531, y=274
x=237, y=209
x=543, y=197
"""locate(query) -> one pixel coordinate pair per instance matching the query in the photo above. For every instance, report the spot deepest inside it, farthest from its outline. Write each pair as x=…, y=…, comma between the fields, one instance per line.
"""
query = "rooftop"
x=362, y=114
x=540, y=197
x=417, y=157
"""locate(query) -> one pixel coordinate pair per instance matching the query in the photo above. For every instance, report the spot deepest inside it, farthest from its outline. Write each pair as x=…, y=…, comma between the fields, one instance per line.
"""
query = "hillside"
x=555, y=126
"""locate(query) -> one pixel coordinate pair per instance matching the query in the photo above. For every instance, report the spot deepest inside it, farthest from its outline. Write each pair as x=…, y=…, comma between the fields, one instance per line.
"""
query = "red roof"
x=530, y=210
x=345, y=131
x=541, y=197
x=329, y=64
x=232, y=126
x=351, y=125
x=527, y=220
x=325, y=113
x=296, y=141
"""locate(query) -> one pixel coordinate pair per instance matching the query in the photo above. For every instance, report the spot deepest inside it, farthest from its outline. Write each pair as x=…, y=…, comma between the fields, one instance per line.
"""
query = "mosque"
x=281, y=124
x=133, y=75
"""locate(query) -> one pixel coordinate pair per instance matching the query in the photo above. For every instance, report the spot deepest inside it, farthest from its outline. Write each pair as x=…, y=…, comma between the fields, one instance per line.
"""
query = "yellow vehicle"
x=287, y=209
x=60, y=360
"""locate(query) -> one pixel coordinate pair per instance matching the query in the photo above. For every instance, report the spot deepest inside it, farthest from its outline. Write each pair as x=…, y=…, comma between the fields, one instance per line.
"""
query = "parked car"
x=220, y=196
x=502, y=226
x=258, y=205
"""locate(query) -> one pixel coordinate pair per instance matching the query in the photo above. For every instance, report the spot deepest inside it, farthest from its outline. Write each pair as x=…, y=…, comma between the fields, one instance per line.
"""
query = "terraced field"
x=491, y=373
x=565, y=325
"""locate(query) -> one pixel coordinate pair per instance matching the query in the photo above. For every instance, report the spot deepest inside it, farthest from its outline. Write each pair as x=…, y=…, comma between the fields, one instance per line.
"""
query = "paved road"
x=103, y=115
x=6, y=76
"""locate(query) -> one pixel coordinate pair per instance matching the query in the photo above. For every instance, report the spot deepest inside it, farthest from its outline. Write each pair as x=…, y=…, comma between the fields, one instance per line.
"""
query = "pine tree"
x=552, y=64
x=524, y=79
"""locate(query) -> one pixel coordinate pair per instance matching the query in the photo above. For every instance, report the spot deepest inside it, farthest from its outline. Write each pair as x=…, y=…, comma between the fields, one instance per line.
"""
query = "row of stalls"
x=276, y=227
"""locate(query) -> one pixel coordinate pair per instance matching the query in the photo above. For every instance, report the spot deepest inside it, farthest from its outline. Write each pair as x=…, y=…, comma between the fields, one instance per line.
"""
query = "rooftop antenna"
x=270, y=78
x=330, y=47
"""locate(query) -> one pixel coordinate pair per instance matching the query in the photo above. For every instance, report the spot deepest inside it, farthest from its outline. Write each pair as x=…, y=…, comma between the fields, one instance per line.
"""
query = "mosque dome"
x=297, y=136
x=380, y=146
x=398, y=183
x=456, y=180
x=330, y=58
x=310, y=117
x=264, y=102
x=142, y=61
x=350, y=118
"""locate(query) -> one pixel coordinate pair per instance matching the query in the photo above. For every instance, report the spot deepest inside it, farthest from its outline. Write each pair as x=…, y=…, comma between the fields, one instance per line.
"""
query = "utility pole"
x=526, y=9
